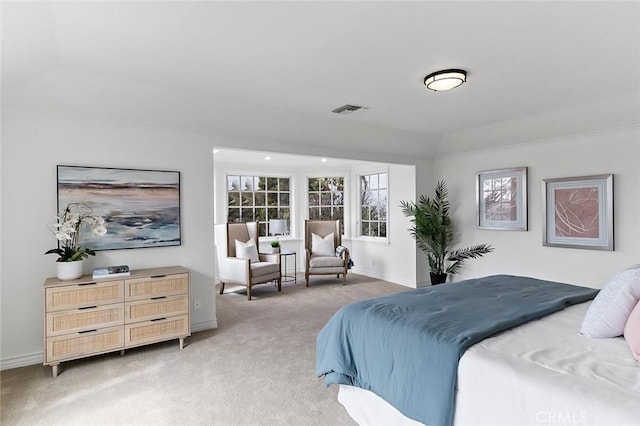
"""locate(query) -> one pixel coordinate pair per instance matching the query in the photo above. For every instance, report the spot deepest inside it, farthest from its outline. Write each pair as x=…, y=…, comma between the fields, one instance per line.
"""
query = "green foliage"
x=433, y=231
x=275, y=243
x=68, y=254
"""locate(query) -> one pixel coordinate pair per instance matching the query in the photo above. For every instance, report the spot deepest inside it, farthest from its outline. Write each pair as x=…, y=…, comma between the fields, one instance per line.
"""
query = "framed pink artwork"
x=578, y=212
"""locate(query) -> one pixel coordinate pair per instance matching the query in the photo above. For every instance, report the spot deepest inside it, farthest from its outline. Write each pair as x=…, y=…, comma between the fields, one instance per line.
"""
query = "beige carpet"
x=257, y=368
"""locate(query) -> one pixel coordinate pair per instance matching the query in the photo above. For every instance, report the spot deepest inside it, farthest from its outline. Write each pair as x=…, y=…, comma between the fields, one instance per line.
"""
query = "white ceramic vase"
x=69, y=270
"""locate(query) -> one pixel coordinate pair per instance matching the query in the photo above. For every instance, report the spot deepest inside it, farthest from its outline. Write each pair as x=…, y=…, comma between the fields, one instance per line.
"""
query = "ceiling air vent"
x=347, y=109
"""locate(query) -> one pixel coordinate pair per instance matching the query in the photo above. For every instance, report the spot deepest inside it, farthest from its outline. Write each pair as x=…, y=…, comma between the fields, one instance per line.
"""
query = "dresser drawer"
x=83, y=295
x=164, y=285
x=156, y=330
x=162, y=306
x=65, y=322
x=80, y=344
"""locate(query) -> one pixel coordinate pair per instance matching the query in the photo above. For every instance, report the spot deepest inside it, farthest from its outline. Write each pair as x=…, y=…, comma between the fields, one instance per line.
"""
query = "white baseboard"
x=21, y=361
x=410, y=284
x=202, y=326
x=38, y=357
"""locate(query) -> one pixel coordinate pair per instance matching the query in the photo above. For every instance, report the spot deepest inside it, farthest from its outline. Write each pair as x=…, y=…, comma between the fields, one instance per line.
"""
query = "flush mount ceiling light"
x=445, y=79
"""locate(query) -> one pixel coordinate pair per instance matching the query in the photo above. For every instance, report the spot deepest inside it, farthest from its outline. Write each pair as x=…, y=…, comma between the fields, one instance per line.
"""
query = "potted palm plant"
x=433, y=231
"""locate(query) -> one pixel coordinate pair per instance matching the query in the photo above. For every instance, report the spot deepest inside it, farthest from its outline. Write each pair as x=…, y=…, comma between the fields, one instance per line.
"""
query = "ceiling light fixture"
x=445, y=79
x=324, y=160
x=267, y=158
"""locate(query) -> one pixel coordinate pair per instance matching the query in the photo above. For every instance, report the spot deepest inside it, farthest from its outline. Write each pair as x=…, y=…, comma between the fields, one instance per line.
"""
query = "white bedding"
x=542, y=372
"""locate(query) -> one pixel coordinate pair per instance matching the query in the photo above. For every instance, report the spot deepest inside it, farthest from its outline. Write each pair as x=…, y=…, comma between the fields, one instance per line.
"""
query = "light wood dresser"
x=86, y=317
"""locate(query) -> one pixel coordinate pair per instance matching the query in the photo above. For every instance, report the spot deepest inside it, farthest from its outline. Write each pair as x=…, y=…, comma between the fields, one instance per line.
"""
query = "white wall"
x=522, y=253
x=32, y=146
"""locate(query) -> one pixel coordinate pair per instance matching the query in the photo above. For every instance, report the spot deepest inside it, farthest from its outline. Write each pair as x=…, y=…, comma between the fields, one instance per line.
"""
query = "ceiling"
x=273, y=71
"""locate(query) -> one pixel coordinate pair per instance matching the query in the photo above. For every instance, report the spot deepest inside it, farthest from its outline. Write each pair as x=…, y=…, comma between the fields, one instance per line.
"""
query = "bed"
x=538, y=372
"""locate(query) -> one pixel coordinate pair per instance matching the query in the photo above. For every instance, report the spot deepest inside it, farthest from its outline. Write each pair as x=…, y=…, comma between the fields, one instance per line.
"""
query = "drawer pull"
x=87, y=331
x=88, y=284
x=159, y=319
x=158, y=297
x=88, y=307
x=158, y=276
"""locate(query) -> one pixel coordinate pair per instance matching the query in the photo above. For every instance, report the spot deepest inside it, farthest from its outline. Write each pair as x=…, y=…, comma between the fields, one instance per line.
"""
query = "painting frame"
x=570, y=209
x=141, y=207
x=508, y=188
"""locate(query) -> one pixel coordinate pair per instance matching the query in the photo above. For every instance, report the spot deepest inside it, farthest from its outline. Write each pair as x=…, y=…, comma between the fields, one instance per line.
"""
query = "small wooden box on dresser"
x=86, y=317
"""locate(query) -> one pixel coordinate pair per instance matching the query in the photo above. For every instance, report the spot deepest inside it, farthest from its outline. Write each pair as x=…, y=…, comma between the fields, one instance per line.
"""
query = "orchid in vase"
x=71, y=222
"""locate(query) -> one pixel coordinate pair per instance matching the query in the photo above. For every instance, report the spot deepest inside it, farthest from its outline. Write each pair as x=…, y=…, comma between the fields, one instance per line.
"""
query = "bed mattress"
x=542, y=372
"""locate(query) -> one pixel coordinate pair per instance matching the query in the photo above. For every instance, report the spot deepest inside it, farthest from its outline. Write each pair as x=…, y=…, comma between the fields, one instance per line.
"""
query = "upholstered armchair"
x=321, y=238
x=239, y=261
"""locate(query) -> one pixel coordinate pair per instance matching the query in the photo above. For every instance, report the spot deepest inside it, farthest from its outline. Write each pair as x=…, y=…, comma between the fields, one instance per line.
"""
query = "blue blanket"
x=405, y=347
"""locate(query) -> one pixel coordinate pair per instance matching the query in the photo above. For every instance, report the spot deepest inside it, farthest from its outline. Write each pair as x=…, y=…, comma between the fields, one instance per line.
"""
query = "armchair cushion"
x=263, y=268
x=322, y=246
x=247, y=250
x=325, y=262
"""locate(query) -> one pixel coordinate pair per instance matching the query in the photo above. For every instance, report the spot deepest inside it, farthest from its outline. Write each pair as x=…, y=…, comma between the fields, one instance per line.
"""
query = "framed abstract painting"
x=141, y=207
x=578, y=212
x=501, y=199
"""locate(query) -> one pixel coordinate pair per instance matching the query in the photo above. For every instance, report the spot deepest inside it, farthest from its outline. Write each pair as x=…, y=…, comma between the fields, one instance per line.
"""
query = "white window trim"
x=363, y=171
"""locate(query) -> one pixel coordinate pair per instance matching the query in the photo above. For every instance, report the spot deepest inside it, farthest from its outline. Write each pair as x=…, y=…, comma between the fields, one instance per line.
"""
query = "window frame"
x=358, y=190
x=262, y=224
x=345, y=195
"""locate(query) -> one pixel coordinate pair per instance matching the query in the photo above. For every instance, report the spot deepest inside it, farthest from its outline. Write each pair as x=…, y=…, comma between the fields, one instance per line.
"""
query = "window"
x=258, y=198
x=326, y=199
x=373, y=205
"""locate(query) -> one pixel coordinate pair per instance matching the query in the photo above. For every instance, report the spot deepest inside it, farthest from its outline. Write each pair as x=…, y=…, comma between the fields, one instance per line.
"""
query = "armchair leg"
x=344, y=279
x=221, y=287
x=280, y=284
x=306, y=277
x=248, y=291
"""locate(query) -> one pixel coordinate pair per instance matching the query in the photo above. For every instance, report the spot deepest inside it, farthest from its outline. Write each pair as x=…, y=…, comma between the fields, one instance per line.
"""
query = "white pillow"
x=247, y=250
x=322, y=246
x=609, y=311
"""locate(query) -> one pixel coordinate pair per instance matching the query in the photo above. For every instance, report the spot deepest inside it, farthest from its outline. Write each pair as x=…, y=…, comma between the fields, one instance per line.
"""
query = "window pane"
x=314, y=198
x=314, y=184
x=262, y=183
x=247, y=215
x=338, y=198
x=314, y=213
x=382, y=197
x=364, y=213
x=284, y=199
x=261, y=215
x=233, y=183
x=285, y=213
x=273, y=213
x=383, y=229
x=260, y=199
x=247, y=199
x=272, y=184
x=373, y=215
x=262, y=229
x=373, y=181
x=382, y=212
x=272, y=198
x=325, y=199
x=325, y=213
x=234, y=215
x=247, y=183
x=364, y=229
x=284, y=184
x=233, y=199
x=324, y=184
x=374, y=229
x=382, y=183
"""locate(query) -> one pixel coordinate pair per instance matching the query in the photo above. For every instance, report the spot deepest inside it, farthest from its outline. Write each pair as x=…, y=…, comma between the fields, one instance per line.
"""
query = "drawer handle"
x=88, y=284
x=87, y=331
x=158, y=297
x=159, y=319
x=158, y=276
x=88, y=307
